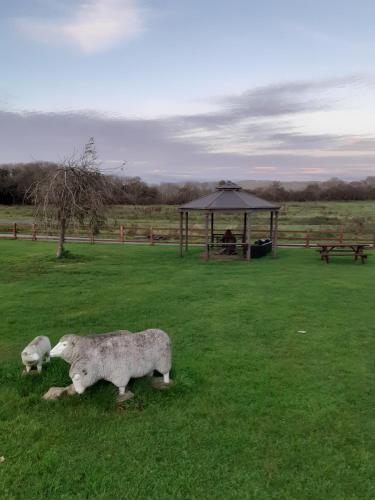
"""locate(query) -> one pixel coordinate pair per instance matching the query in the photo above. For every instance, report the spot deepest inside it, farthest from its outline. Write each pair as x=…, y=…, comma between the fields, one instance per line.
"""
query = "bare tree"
x=75, y=193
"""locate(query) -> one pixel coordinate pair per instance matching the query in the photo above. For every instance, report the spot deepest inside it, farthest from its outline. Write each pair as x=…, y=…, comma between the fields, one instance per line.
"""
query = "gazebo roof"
x=229, y=196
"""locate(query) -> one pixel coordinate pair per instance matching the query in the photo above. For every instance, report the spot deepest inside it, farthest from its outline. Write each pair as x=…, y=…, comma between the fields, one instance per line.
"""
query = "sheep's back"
x=133, y=354
x=40, y=344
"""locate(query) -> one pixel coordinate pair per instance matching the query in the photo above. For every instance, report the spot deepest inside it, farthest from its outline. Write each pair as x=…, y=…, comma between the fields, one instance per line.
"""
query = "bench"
x=342, y=250
x=342, y=253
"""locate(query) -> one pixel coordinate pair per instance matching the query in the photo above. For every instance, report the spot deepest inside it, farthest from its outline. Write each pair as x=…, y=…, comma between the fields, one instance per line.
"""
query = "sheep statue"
x=116, y=357
x=70, y=347
x=36, y=352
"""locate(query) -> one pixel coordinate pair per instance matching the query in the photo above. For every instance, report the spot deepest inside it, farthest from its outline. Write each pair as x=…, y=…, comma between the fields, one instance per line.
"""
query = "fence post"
x=92, y=238
x=341, y=238
x=308, y=239
x=151, y=236
x=373, y=240
x=33, y=237
x=15, y=231
x=122, y=239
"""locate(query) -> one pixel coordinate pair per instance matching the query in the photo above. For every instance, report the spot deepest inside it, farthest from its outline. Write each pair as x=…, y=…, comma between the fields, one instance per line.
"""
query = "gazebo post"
x=186, y=231
x=244, y=227
x=212, y=227
x=274, y=238
x=181, y=232
x=248, y=236
x=271, y=225
x=207, y=240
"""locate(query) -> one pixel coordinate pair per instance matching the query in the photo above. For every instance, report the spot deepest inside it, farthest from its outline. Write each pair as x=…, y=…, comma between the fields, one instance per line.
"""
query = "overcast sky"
x=192, y=89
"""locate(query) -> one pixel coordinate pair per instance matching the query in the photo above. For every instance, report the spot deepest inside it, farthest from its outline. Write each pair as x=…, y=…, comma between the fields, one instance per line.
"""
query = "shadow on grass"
x=30, y=388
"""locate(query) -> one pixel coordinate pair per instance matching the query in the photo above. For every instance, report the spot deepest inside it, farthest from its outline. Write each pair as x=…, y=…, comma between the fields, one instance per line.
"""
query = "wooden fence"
x=170, y=235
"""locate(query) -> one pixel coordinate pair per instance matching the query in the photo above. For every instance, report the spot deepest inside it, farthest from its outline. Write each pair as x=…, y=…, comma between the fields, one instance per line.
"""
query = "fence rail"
x=170, y=235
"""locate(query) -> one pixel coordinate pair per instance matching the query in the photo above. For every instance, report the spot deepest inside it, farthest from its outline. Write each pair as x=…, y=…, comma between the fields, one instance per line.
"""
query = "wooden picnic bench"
x=355, y=250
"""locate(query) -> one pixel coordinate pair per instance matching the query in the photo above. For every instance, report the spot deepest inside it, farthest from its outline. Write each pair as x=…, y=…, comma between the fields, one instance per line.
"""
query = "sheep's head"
x=83, y=374
x=65, y=347
x=29, y=356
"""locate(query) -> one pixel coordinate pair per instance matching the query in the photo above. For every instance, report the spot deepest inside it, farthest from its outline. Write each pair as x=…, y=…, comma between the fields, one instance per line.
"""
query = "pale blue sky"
x=189, y=89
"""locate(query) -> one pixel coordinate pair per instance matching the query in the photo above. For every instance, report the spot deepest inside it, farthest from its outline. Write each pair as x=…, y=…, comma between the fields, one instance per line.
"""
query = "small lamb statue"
x=36, y=352
x=116, y=357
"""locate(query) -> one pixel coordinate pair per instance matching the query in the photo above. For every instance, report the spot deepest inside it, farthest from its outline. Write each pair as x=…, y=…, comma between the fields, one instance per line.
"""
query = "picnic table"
x=355, y=250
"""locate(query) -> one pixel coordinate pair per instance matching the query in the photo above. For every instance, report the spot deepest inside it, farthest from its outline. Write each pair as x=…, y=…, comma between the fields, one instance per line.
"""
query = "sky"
x=182, y=90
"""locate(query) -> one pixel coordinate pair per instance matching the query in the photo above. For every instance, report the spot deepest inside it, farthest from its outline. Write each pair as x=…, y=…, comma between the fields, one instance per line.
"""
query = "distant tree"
x=73, y=193
x=274, y=192
x=134, y=191
x=15, y=179
x=8, y=188
x=311, y=192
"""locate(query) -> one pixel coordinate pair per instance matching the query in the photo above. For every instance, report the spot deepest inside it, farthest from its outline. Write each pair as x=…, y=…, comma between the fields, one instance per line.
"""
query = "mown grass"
x=258, y=410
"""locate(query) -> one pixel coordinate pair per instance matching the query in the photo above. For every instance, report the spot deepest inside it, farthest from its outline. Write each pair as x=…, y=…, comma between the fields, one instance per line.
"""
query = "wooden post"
x=151, y=236
x=122, y=239
x=33, y=237
x=275, y=235
x=341, y=235
x=207, y=240
x=181, y=232
x=212, y=227
x=92, y=238
x=308, y=239
x=248, y=236
x=186, y=231
x=373, y=240
x=244, y=227
x=15, y=231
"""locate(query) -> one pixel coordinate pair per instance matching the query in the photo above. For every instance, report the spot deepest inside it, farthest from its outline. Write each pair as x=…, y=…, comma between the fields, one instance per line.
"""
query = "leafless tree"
x=75, y=193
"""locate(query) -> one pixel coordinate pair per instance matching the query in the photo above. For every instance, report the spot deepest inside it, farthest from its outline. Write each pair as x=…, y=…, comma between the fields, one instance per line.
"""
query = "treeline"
x=16, y=179
x=332, y=190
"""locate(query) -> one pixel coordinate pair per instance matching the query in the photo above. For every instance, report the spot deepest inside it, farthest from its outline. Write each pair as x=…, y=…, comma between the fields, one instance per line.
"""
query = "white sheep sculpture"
x=116, y=357
x=36, y=352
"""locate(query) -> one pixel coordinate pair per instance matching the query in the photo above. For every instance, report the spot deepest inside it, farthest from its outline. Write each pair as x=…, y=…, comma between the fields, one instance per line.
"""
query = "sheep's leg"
x=151, y=374
x=57, y=392
x=26, y=370
x=48, y=358
x=124, y=395
x=39, y=367
x=162, y=383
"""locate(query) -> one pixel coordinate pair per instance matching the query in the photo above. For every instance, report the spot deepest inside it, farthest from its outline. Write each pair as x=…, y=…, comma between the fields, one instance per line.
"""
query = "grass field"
x=258, y=410
x=355, y=216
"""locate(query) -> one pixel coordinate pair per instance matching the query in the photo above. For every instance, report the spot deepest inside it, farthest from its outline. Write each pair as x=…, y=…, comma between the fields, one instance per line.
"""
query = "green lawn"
x=258, y=410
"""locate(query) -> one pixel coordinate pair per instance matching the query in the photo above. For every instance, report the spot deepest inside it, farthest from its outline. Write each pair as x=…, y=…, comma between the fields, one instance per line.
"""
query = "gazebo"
x=228, y=198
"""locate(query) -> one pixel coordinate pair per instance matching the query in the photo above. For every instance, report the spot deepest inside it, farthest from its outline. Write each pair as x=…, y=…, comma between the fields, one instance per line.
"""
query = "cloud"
x=278, y=100
x=92, y=26
x=266, y=169
x=236, y=142
x=267, y=119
